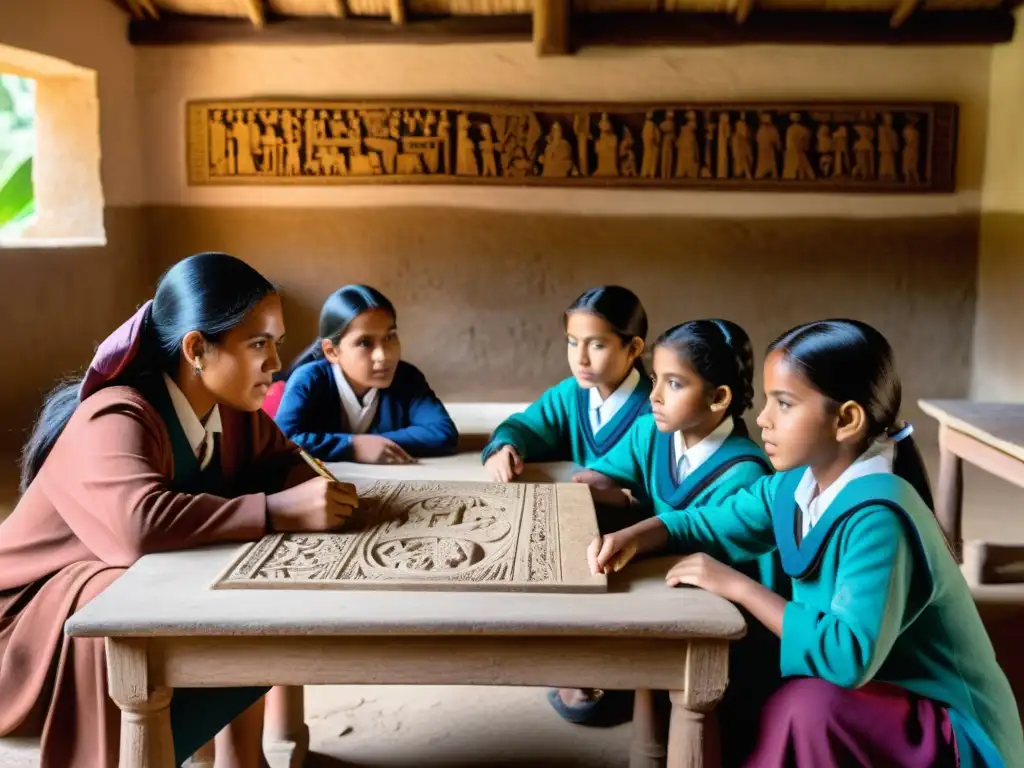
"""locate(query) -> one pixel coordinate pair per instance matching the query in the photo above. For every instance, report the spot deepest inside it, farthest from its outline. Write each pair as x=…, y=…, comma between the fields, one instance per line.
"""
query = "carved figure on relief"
x=444, y=130
x=742, y=151
x=338, y=126
x=825, y=149
x=581, y=127
x=488, y=147
x=724, y=132
x=768, y=144
x=710, y=130
x=241, y=132
x=864, y=152
x=557, y=157
x=308, y=146
x=911, y=150
x=321, y=125
x=465, y=149
x=668, y=136
x=395, y=125
x=841, y=142
x=796, y=164
x=218, y=144
x=888, y=145
x=607, y=149
x=651, y=139
x=627, y=155
x=687, y=149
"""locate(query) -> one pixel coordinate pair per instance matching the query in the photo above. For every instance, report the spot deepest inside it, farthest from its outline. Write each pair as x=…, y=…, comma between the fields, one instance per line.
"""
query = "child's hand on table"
x=375, y=449
x=504, y=465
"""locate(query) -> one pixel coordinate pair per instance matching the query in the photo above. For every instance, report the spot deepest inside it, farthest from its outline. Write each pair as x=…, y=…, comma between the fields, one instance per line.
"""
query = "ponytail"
x=908, y=463
x=57, y=410
x=313, y=352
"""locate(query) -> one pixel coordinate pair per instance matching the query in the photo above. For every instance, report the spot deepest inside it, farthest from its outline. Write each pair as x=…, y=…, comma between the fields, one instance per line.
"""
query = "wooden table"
x=164, y=628
x=990, y=436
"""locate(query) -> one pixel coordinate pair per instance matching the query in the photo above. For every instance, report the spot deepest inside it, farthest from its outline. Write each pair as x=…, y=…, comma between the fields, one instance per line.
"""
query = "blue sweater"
x=408, y=412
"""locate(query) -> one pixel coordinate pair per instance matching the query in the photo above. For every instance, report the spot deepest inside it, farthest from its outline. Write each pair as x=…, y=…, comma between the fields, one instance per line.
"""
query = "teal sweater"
x=876, y=596
x=557, y=426
x=643, y=462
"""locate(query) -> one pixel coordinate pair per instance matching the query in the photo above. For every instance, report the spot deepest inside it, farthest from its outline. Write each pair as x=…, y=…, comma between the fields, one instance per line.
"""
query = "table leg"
x=286, y=735
x=692, y=734
x=949, y=500
x=146, y=740
x=648, y=747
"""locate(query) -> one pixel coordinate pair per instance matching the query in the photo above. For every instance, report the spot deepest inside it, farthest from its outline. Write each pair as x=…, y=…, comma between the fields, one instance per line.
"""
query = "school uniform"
x=320, y=413
x=890, y=660
x=133, y=473
x=667, y=477
x=573, y=423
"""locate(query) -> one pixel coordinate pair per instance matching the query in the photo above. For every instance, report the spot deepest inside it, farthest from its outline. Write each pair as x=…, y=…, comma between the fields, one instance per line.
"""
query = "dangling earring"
x=198, y=368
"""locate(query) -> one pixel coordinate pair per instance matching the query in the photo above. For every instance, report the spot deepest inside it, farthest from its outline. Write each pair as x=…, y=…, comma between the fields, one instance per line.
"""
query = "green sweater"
x=643, y=462
x=876, y=596
x=557, y=426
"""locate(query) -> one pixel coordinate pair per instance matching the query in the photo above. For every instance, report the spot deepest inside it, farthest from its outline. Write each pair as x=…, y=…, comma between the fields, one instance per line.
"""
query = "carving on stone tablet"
x=857, y=147
x=430, y=535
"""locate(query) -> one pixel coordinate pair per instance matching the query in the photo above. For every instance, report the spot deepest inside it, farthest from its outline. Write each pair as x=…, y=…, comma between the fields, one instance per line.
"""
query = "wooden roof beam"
x=551, y=27
x=337, y=9
x=615, y=29
x=903, y=10
x=139, y=9
x=254, y=9
x=398, y=12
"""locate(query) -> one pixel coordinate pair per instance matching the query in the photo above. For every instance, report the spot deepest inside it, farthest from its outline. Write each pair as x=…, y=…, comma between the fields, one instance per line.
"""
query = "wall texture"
x=480, y=294
x=481, y=276
x=998, y=372
x=60, y=302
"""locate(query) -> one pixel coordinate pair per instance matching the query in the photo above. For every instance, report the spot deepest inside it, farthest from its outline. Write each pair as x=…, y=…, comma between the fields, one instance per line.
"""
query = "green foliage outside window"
x=17, y=146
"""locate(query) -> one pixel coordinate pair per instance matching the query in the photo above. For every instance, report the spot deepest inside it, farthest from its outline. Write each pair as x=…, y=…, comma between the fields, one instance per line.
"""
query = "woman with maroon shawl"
x=161, y=446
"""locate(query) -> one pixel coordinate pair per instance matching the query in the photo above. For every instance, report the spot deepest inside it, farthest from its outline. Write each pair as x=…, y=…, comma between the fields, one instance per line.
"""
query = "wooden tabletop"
x=463, y=466
x=169, y=595
x=999, y=425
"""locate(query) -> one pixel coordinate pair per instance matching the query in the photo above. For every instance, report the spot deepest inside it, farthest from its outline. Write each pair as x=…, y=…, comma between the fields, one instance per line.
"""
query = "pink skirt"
x=811, y=723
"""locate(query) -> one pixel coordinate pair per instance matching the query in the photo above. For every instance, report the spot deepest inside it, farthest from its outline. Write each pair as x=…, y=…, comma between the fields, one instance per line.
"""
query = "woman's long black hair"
x=847, y=360
x=208, y=292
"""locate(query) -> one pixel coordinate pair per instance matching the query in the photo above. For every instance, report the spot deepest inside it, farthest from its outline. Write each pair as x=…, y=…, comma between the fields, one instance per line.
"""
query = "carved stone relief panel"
x=438, y=535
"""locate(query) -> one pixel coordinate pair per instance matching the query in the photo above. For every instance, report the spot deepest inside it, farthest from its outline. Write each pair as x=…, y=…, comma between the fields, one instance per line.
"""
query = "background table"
x=990, y=436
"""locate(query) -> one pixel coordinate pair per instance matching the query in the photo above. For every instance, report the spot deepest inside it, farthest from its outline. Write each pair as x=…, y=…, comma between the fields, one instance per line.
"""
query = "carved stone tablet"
x=434, y=535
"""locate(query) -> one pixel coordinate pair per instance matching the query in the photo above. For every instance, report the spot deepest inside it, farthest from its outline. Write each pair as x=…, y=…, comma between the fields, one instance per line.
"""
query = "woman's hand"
x=311, y=507
x=375, y=449
x=704, y=571
x=504, y=465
